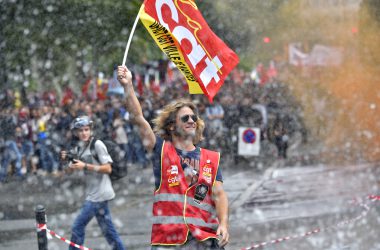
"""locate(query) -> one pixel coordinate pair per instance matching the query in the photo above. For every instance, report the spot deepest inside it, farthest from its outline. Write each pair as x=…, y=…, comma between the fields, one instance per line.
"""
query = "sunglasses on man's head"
x=186, y=118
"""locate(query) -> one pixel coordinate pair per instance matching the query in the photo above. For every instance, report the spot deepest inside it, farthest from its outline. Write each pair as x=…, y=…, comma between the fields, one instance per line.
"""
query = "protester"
x=47, y=160
x=215, y=115
x=214, y=118
x=99, y=190
x=12, y=151
x=190, y=209
x=27, y=146
x=120, y=133
x=48, y=136
x=280, y=137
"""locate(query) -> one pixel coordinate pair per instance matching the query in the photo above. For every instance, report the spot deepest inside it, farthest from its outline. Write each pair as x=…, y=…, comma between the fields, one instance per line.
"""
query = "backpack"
x=119, y=164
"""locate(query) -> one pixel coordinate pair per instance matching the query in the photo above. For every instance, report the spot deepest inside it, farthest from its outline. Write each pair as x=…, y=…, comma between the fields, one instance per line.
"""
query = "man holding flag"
x=190, y=209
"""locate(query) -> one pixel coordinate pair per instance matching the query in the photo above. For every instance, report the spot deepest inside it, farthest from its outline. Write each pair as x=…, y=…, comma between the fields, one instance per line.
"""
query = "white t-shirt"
x=98, y=185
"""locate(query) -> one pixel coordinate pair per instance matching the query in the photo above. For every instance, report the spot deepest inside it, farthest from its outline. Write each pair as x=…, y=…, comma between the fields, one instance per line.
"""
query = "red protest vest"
x=176, y=208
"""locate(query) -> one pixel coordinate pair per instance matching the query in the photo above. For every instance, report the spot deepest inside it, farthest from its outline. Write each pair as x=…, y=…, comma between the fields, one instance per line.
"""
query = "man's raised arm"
x=134, y=108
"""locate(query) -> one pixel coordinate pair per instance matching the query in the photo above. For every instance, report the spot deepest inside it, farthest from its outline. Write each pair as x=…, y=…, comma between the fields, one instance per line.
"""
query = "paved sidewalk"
x=263, y=204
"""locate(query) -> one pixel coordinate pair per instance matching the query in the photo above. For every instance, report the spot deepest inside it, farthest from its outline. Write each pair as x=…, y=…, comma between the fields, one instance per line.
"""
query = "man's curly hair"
x=167, y=117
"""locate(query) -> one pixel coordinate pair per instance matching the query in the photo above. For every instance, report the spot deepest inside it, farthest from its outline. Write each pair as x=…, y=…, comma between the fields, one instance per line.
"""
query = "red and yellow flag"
x=181, y=32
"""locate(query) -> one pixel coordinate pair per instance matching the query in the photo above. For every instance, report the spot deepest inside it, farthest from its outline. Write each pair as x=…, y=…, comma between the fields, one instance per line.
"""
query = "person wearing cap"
x=99, y=190
x=190, y=208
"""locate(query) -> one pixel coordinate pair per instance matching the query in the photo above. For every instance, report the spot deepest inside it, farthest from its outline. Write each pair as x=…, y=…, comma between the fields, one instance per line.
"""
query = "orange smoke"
x=357, y=125
x=342, y=105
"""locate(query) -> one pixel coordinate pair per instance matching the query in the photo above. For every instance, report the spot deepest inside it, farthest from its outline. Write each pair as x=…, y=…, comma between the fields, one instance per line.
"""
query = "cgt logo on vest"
x=207, y=174
x=206, y=170
x=173, y=179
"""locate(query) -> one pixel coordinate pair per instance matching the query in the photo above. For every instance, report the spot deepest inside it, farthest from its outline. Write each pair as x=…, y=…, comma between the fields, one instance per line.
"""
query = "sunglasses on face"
x=186, y=118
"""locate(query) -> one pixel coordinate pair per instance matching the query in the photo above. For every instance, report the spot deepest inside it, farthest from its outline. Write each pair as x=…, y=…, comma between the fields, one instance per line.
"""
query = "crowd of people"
x=33, y=135
x=35, y=129
x=160, y=125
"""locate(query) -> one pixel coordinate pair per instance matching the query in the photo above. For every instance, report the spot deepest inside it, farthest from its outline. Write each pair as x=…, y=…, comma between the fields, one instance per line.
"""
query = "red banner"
x=183, y=35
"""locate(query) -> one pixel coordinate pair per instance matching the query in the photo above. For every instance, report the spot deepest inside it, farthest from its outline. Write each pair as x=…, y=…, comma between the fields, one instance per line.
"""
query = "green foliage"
x=49, y=37
x=66, y=40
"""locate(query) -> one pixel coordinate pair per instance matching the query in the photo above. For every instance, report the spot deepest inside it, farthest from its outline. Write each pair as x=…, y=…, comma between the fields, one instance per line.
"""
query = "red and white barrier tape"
x=372, y=198
x=366, y=208
x=41, y=227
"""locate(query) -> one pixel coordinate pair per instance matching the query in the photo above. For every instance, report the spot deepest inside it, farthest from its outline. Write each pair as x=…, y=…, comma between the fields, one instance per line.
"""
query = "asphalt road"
x=326, y=202
x=274, y=202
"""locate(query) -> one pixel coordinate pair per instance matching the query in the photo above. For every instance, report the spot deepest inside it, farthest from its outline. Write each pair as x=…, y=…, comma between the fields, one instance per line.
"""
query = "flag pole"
x=130, y=38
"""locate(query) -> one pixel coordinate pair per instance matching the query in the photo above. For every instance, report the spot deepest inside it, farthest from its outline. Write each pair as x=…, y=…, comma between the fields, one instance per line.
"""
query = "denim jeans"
x=101, y=211
x=48, y=162
x=11, y=152
x=27, y=151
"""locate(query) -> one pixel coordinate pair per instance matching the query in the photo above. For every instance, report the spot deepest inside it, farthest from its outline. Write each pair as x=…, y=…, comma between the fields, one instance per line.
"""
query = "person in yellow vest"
x=190, y=208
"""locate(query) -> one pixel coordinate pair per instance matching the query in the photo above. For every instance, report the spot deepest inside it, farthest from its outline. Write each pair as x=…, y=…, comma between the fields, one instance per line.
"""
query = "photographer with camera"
x=99, y=188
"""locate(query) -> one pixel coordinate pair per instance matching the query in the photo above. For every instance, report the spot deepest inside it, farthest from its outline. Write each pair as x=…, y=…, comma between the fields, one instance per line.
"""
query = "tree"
x=55, y=41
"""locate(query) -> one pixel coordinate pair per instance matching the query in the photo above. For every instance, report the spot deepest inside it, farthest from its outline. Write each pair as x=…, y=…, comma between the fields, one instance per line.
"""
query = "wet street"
x=315, y=207
x=303, y=207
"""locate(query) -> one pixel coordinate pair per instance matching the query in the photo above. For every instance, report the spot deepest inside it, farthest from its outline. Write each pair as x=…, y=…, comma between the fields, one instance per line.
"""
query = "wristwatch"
x=85, y=166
